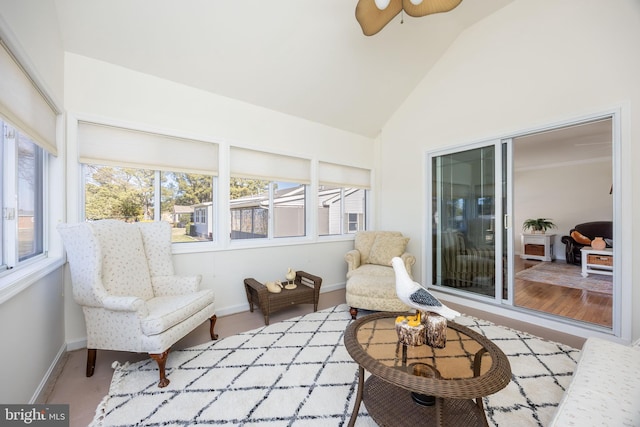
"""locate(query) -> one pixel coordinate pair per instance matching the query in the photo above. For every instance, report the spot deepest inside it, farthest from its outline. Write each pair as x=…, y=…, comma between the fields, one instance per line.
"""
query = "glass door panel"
x=464, y=214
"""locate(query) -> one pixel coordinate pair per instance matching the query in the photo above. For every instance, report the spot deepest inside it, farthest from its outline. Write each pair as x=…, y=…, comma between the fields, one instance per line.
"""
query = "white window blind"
x=24, y=105
x=247, y=163
x=343, y=176
x=116, y=146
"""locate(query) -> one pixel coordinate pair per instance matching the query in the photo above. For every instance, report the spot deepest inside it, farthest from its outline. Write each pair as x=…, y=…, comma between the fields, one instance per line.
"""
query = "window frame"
x=270, y=198
x=157, y=199
x=345, y=222
x=10, y=257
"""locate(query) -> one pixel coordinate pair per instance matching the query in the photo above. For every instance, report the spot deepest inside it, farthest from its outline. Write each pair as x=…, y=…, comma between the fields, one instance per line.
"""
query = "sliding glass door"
x=480, y=197
x=467, y=242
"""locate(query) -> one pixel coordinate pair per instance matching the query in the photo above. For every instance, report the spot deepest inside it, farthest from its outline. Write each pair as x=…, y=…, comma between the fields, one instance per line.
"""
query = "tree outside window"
x=129, y=195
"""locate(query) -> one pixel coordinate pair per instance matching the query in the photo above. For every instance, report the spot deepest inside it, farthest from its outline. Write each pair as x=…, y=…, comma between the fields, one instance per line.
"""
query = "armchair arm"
x=353, y=259
x=304, y=278
x=409, y=261
x=175, y=285
x=571, y=246
x=120, y=303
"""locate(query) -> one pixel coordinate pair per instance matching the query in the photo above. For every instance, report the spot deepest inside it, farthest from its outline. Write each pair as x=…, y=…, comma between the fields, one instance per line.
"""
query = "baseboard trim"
x=46, y=385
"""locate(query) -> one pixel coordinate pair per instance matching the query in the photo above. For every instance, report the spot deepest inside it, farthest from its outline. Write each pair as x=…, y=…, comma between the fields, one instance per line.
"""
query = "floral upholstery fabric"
x=379, y=294
x=125, y=270
x=371, y=281
x=123, y=277
x=165, y=312
x=605, y=388
x=155, y=236
x=86, y=269
x=385, y=248
x=364, y=241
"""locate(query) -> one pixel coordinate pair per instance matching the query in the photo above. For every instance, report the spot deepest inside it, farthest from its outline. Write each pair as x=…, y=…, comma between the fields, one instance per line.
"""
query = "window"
x=251, y=200
x=341, y=210
x=342, y=199
x=28, y=137
x=267, y=194
x=22, y=197
x=119, y=193
x=135, y=175
x=129, y=194
x=187, y=203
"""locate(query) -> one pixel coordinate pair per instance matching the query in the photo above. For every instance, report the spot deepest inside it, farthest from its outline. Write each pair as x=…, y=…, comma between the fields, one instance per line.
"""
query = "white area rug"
x=569, y=275
x=298, y=372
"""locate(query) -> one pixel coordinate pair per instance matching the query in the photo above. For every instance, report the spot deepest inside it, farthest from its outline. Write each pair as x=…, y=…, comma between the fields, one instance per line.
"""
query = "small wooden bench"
x=307, y=292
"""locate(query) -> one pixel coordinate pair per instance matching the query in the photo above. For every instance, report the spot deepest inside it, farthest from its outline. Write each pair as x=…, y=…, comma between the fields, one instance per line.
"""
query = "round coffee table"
x=423, y=385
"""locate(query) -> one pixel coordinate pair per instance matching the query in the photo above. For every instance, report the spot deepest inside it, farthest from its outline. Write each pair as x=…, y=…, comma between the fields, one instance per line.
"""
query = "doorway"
x=564, y=175
x=481, y=196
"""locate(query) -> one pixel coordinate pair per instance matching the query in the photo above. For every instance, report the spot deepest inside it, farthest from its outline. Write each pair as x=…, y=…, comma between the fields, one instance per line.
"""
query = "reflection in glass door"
x=464, y=209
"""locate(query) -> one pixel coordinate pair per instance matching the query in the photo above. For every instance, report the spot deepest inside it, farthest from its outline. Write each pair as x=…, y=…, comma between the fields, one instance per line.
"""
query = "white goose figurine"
x=415, y=296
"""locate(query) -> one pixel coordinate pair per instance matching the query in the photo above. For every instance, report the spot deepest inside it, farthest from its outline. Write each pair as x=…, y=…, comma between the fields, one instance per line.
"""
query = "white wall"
x=532, y=63
x=569, y=194
x=113, y=94
x=32, y=337
x=32, y=332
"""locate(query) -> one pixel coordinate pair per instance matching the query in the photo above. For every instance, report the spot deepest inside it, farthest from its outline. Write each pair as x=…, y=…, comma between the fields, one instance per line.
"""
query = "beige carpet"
x=562, y=274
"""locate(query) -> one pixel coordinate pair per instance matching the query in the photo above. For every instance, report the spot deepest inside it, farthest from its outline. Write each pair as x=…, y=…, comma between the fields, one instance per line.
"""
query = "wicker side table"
x=307, y=292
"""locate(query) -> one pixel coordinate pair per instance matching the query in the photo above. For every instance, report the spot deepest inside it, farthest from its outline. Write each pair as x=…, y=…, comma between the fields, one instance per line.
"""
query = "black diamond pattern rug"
x=298, y=373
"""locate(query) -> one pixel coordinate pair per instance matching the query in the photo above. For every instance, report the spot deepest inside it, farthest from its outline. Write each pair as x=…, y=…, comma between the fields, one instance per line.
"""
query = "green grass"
x=178, y=236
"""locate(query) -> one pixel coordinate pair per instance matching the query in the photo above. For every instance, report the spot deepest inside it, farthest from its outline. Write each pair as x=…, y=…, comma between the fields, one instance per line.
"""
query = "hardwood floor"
x=577, y=304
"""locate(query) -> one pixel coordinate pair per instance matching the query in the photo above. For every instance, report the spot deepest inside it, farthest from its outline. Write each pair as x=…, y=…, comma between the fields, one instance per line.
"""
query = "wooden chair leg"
x=212, y=321
x=91, y=361
x=162, y=361
x=354, y=312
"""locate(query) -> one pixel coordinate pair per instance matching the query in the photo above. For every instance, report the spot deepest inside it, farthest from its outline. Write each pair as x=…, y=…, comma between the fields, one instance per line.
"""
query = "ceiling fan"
x=373, y=15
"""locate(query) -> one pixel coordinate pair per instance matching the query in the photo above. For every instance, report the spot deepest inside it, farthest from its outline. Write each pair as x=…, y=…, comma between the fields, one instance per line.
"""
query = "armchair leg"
x=354, y=312
x=91, y=361
x=212, y=320
x=162, y=361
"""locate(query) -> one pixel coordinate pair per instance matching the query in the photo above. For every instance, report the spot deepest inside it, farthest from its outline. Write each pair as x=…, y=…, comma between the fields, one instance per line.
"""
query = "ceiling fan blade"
x=372, y=19
x=427, y=7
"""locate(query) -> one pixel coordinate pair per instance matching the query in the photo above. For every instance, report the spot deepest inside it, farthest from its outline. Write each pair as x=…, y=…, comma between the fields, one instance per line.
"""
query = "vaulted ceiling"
x=300, y=57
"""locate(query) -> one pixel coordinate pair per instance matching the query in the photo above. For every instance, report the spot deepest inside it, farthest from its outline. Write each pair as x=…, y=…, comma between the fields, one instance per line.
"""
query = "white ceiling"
x=569, y=145
x=300, y=57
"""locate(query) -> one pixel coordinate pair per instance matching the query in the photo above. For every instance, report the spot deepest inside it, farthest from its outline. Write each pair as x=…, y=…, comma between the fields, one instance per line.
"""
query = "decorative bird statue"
x=291, y=274
x=415, y=296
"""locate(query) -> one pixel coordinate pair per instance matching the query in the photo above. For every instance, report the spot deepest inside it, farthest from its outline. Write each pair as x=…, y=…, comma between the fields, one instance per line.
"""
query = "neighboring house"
x=330, y=216
x=202, y=220
x=249, y=215
x=179, y=214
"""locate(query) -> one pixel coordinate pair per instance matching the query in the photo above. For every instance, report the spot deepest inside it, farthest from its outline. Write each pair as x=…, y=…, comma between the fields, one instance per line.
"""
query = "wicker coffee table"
x=423, y=385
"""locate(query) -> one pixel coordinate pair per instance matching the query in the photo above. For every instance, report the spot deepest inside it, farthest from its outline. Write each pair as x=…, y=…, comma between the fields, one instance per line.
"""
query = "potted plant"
x=538, y=225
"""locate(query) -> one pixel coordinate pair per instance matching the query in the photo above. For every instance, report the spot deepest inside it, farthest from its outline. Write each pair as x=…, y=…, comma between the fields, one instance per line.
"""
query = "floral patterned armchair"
x=122, y=275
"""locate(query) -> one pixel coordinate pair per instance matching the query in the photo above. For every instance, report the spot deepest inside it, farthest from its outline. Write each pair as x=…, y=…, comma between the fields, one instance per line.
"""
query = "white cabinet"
x=597, y=261
x=537, y=246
